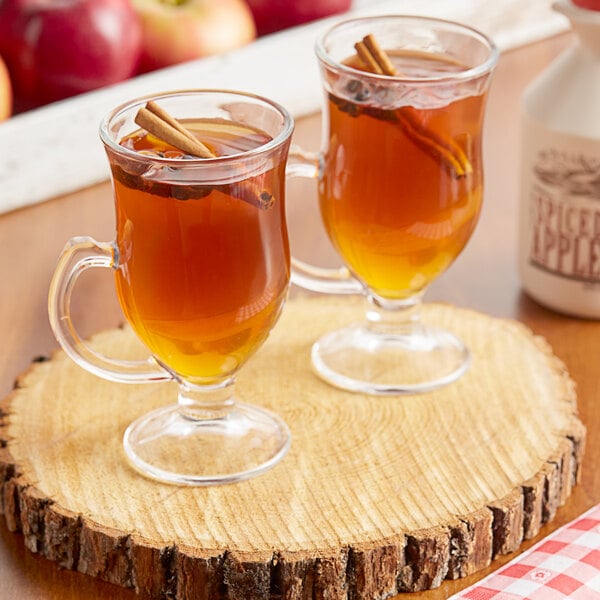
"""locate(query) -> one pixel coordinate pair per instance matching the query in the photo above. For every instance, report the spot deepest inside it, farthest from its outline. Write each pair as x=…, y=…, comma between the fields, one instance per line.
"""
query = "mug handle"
x=79, y=254
x=304, y=275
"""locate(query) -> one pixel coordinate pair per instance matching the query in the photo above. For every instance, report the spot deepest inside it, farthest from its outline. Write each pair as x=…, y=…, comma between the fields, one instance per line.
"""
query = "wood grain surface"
x=484, y=278
x=393, y=494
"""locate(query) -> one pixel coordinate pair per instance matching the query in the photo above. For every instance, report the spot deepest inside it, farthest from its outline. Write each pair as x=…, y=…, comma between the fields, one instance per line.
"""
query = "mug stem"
x=206, y=438
x=206, y=402
x=391, y=353
x=401, y=316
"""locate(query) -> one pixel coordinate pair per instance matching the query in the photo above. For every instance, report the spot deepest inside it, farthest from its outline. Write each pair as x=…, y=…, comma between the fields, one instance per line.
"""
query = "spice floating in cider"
x=168, y=138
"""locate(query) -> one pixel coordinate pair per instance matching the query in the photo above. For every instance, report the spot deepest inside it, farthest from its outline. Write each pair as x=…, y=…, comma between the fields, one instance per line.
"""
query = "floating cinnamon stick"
x=165, y=116
x=157, y=121
x=446, y=149
x=367, y=58
x=379, y=55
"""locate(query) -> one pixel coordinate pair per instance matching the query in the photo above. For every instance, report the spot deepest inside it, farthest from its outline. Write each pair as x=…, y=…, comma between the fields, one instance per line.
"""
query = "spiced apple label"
x=560, y=220
x=565, y=233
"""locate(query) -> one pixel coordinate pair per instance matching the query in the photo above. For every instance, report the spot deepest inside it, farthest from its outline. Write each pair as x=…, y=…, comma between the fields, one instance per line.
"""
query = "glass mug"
x=400, y=188
x=202, y=266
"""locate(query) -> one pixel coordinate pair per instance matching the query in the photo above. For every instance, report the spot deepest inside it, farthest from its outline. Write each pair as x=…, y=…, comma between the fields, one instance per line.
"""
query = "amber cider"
x=203, y=269
x=397, y=212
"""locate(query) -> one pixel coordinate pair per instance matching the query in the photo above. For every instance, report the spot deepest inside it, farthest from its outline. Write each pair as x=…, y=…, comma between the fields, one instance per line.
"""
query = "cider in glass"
x=203, y=268
x=396, y=202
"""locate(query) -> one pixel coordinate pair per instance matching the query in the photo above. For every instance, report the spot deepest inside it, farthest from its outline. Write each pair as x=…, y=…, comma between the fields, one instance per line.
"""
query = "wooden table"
x=484, y=278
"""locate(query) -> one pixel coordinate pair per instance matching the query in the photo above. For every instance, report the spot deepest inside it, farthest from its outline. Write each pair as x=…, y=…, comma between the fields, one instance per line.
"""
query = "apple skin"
x=274, y=15
x=177, y=31
x=5, y=92
x=60, y=48
x=589, y=4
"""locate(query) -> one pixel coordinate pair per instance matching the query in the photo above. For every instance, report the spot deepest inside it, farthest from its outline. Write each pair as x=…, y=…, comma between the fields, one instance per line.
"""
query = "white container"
x=559, y=225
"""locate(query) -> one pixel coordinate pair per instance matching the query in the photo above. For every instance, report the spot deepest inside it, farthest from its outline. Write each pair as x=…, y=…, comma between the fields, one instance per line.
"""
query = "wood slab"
x=376, y=496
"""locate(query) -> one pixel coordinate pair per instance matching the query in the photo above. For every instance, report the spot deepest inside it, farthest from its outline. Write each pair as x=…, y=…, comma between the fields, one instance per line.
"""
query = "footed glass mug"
x=400, y=189
x=202, y=265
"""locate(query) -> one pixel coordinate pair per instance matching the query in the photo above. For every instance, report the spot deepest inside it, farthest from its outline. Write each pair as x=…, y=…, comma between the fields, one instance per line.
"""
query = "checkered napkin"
x=566, y=564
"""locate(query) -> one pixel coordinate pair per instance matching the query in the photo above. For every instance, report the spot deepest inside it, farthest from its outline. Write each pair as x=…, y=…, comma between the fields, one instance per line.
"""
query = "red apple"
x=589, y=4
x=59, y=48
x=273, y=15
x=5, y=92
x=175, y=31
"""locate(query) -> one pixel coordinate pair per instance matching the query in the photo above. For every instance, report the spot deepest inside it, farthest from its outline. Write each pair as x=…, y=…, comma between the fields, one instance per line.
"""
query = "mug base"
x=359, y=359
x=169, y=446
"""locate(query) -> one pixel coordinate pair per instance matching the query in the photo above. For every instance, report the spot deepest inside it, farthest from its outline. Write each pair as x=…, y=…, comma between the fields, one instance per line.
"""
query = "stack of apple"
x=53, y=49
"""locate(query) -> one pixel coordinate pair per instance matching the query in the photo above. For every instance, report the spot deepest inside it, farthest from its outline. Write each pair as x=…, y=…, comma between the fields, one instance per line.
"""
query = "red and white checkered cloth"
x=566, y=564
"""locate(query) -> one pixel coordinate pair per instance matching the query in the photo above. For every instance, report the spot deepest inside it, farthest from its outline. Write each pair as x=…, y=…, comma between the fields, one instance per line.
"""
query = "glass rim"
x=278, y=140
x=480, y=69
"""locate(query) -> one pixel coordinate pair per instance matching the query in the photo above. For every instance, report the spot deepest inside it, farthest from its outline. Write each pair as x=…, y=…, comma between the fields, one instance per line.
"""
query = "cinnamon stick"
x=160, y=112
x=446, y=149
x=157, y=121
x=387, y=67
x=166, y=128
x=367, y=58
